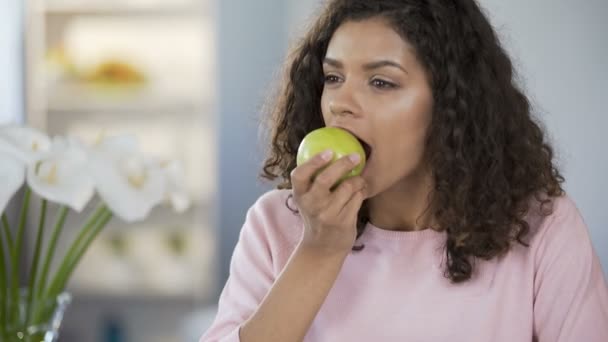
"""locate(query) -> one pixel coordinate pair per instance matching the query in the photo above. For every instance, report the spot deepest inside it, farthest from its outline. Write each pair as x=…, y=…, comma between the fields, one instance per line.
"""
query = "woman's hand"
x=329, y=212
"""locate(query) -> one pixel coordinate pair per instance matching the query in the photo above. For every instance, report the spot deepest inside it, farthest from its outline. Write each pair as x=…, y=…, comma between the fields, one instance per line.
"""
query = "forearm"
x=292, y=303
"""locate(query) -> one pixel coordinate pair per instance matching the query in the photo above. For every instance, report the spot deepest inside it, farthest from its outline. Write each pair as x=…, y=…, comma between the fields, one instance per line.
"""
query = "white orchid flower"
x=12, y=174
x=61, y=175
x=129, y=185
x=176, y=193
x=23, y=143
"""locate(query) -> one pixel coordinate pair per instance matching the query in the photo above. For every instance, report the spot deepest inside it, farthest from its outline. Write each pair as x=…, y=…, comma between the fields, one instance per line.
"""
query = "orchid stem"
x=63, y=212
x=94, y=225
x=3, y=289
x=7, y=231
x=32, y=288
x=55, y=286
x=16, y=254
x=101, y=223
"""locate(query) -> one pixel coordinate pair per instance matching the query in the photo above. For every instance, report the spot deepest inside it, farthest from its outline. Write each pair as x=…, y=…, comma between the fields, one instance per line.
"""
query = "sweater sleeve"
x=570, y=292
x=251, y=276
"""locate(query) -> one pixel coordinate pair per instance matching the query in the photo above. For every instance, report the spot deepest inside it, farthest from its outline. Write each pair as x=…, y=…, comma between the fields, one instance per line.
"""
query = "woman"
x=458, y=229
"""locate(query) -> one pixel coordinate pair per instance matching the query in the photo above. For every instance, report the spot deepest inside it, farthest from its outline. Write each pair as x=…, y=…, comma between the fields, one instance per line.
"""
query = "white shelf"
x=120, y=9
x=171, y=41
x=79, y=98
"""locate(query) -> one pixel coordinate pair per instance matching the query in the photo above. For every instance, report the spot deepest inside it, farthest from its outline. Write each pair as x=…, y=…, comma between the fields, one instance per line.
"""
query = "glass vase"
x=35, y=320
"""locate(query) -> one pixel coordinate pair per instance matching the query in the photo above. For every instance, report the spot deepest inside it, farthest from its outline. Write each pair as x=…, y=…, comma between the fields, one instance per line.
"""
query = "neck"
x=405, y=206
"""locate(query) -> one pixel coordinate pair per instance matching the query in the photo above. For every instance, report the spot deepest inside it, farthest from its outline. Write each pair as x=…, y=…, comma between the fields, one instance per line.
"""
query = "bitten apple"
x=340, y=141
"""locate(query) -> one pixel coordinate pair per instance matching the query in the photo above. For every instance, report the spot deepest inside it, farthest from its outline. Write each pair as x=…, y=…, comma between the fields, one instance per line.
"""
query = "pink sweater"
x=394, y=290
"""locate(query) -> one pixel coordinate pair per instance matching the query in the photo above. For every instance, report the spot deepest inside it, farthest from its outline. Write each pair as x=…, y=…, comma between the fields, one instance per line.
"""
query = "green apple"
x=340, y=141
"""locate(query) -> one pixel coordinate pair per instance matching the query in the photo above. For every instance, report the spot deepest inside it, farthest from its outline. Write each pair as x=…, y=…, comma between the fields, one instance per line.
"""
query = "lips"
x=366, y=146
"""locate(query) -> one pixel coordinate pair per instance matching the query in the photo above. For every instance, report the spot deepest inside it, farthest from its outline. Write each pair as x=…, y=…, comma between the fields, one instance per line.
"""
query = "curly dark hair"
x=489, y=157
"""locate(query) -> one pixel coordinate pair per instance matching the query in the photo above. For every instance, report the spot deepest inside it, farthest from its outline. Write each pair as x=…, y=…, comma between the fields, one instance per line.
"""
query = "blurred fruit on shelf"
x=116, y=72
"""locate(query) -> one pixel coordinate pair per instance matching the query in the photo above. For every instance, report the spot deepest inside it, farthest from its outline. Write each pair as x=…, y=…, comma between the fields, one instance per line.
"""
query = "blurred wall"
x=11, y=65
x=251, y=45
x=558, y=46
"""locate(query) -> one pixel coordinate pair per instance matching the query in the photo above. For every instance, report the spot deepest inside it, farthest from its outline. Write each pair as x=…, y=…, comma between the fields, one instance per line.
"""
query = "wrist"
x=322, y=252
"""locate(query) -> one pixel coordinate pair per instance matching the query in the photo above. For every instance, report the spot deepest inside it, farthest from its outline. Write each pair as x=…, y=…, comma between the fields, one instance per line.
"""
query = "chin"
x=371, y=191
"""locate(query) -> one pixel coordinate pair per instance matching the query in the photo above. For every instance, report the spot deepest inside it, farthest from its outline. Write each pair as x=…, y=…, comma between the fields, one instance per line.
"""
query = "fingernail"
x=355, y=158
x=327, y=154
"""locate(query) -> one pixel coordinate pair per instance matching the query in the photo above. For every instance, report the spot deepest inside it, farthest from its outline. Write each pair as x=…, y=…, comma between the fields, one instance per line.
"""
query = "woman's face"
x=376, y=89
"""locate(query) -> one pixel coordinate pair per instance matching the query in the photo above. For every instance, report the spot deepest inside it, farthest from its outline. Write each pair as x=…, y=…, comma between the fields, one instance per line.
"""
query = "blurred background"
x=189, y=78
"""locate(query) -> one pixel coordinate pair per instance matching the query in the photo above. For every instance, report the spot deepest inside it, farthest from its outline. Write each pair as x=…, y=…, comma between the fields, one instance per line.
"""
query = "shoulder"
x=558, y=230
x=273, y=218
x=272, y=201
x=275, y=207
x=559, y=217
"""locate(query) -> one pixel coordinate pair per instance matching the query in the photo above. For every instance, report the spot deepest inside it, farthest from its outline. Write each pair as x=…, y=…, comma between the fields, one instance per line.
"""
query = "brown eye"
x=382, y=84
x=331, y=79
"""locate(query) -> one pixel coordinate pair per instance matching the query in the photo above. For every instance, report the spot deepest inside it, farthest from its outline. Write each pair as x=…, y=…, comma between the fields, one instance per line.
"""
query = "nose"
x=339, y=109
x=343, y=102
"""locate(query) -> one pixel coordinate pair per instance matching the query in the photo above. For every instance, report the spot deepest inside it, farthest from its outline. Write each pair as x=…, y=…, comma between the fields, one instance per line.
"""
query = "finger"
x=344, y=192
x=301, y=176
x=351, y=208
x=328, y=177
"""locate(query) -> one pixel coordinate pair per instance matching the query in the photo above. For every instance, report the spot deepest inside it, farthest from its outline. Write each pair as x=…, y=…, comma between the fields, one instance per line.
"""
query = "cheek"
x=324, y=108
x=406, y=127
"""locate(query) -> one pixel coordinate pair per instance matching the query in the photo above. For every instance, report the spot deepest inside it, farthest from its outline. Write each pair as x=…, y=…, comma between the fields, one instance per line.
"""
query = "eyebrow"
x=368, y=66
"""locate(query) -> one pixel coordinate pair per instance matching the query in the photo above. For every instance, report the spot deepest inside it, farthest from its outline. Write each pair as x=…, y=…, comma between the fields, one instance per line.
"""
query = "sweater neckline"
x=426, y=233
